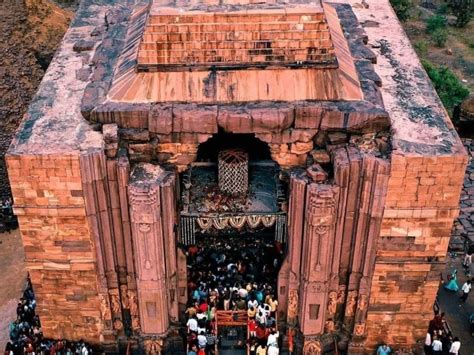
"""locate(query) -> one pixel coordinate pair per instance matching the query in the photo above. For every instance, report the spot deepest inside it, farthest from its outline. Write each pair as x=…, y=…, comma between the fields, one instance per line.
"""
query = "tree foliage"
x=435, y=23
x=463, y=10
x=449, y=88
x=439, y=37
x=402, y=8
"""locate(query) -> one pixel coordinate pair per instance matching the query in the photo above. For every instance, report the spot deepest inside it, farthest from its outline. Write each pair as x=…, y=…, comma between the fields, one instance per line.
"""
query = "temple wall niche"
x=59, y=249
x=422, y=201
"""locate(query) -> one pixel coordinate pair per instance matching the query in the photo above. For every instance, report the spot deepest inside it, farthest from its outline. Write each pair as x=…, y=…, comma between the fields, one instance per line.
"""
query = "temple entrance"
x=233, y=229
x=231, y=277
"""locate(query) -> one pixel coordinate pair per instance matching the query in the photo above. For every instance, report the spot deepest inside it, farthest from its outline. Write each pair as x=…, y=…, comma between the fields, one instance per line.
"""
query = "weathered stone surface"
x=308, y=115
x=337, y=137
x=110, y=132
x=160, y=119
x=194, y=119
x=320, y=156
x=301, y=148
x=291, y=135
x=317, y=173
x=256, y=118
x=83, y=45
x=52, y=215
x=136, y=135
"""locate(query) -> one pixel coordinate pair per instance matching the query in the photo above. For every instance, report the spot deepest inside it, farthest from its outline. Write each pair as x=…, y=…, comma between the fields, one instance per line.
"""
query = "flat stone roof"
x=53, y=123
x=419, y=122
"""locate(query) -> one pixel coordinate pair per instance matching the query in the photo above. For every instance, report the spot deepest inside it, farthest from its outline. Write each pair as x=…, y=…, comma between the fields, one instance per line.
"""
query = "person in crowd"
x=261, y=349
x=467, y=261
x=455, y=346
x=384, y=349
x=26, y=336
x=427, y=345
x=437, y=346
x=193, y=350
x=192, y=324
x=452, y=284
x=466, y=288
x=225, y=276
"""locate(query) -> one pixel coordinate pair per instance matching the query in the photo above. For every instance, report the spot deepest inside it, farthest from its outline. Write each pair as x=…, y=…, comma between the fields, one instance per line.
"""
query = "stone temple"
x=317, y=114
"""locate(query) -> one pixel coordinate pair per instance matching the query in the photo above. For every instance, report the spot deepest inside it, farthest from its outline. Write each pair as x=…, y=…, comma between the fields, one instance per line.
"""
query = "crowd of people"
x=233, y=274
x=439, y=339
x=26, y=336
x=8, y=220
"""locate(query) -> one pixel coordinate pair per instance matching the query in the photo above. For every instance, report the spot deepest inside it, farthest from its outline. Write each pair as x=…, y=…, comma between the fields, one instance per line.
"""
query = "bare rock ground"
x=30, y=31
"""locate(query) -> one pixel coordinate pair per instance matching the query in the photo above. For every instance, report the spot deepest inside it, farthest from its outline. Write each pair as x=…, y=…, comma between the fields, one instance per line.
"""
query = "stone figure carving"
x=351, y=303
x=329, y=326
x=135, y=324
x=105, y=307
x=359, y=329
x=153, y=346
x=124, y=297
x=132, y=302
x=340, y=296
x=115, y=302
x=362, y=303
x=118, y=325
x=312, y=347
x=332, y=303
x=292, y=305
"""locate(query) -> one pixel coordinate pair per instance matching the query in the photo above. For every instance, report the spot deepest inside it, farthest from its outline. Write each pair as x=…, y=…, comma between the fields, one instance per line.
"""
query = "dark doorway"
x=256, y=149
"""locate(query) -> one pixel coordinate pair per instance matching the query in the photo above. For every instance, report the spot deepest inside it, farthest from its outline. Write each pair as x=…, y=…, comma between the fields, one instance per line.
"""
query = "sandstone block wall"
x=59, y=252
x=421, y=203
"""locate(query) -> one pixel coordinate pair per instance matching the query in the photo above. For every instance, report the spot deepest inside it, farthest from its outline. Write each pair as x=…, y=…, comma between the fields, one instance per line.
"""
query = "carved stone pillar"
x=288, y=278
x=318, y=245
x=168, y=212
x=374, y=187
x=149, y=246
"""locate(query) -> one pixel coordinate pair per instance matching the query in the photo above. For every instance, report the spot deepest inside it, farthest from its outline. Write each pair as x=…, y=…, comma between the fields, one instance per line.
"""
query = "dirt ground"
x=12, y=282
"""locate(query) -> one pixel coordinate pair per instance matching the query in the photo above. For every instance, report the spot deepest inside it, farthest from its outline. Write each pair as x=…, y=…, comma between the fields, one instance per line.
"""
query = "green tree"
x=402, y=8
x=435, y=23
x=463, y=10
x=449, y=88
x=439, y=37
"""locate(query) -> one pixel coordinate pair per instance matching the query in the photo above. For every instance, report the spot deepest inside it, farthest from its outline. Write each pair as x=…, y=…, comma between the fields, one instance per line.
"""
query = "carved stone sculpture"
x=332, y=303
x=132, y=302
x=351, y=303
x=329, y=326
x=153, y=346
x=105, y=307
x=136, y=324
x=340, y=296
x=312, y=347
x=115, y=302
x=124, y=297
x=118, y=325
x=362, y=303
x=292, y=305
x=359, y=329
